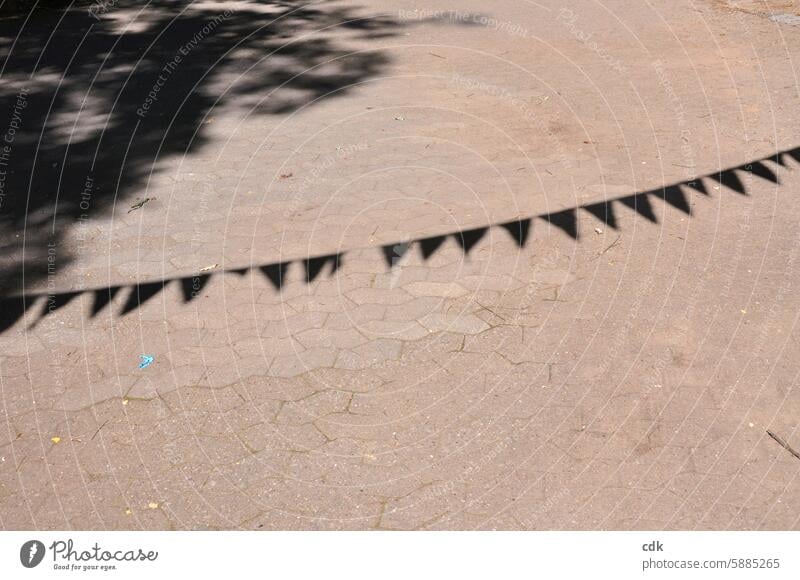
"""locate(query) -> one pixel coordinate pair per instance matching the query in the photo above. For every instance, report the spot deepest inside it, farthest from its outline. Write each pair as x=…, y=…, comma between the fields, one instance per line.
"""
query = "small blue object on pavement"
x=146, y=361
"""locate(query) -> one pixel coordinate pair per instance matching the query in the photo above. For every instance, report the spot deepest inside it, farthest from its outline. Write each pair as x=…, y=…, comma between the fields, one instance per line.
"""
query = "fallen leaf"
x=56, y=440
x=153, y=505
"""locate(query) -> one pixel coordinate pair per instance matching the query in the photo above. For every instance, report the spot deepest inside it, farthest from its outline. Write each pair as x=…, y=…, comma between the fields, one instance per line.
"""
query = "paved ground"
x=623, y=380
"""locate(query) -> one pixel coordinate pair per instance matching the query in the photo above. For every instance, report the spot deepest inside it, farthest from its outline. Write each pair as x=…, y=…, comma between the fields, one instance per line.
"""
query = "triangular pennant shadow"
x=793, y=153
x=698, y=185
x=778, y=159
x=192, y=285
x=102, y=297
x=275, y=273
x=761, y=170
x=12, y=309
x=604, y=211
x=564, y=220
x=640, y=203
x=519, y=230
x=674, y=196
x=141, y=293
x=728, y=178
x=53, y=302
x=468, y=238
x=315, y=265
x=428, y=246
x=393, y=253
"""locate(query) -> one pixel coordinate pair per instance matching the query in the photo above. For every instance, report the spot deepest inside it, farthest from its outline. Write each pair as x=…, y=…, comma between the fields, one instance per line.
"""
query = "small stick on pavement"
x=139, y=204
x=614, y=243
x=98, y=429
x=783, y=444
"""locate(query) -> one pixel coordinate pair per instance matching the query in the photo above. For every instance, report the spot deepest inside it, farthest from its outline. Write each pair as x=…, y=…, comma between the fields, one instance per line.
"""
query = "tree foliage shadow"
x=93, y=98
